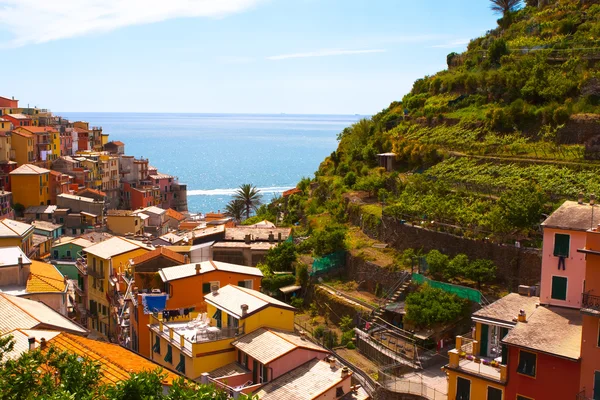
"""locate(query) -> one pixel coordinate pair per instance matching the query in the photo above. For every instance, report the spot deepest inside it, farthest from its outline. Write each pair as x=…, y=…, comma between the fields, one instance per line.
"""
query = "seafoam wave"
x=231, y=192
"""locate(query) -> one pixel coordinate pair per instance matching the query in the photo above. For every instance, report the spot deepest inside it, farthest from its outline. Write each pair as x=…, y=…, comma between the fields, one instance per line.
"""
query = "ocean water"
x=216, y=153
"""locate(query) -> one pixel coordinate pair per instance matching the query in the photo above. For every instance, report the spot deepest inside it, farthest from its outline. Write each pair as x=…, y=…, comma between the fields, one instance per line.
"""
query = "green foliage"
x=302, y=274
x=250, y=196
x=457, y=266
x=481, y=271
x=347, y=337
x=328, y=240
x=370, y=183
x=497, y=50
x=330, y=339
x=350, y=179
x=281, y=257
x=437, y=262
x=429, y=306
x=313, y=311
x=319, y=331
x=297, y=302
x=275, y=282
x=346, y=323
x=350, y=345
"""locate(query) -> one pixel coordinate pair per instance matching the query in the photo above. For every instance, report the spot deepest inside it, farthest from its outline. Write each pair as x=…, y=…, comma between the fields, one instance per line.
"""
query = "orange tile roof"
x=94, y=191
x=55, y=173
x=118, y=143
x=161, y=251
x=38, y=129
x=116, y=362
x=45, y=278
x=24, y=134
x=80, y=130
x=174, y=214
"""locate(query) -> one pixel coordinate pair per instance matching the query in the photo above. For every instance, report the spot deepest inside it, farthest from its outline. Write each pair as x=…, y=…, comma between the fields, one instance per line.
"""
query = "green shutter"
x=596, y=385
x=242, y=283
x=169, y=355
x=206, y=288
x=483, y=350
x=559, y=288
x=561, y=245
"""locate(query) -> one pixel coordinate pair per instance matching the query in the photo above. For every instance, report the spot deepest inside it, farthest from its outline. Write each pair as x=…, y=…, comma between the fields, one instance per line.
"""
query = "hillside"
x=487, y=147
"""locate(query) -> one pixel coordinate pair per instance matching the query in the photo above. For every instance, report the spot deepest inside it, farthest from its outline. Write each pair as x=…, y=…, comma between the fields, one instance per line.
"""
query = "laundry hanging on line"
x=154, y=303
x=178, y=312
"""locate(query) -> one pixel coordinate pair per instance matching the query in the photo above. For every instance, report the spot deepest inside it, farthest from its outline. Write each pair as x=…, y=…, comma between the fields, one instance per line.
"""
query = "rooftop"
x=46, y=225
x=117, y=142
x=159, y=252
x=171, y=238
x=154, y=210
x=40, y=209
x=18, y=116
x=573, y=216
x=115, y=246
x=175, y=214
x=21, y=340
x=78, y=241
x=306, y=382
x=242, y=245
x=93, y=191
x=267, y=345
x=17, y=312
x=159, y=175
x=10, y=228
x=258, y=234
x=45, y=278
x=29, y=169
x=263, y=224
x=231, y=298
x=74, y=197
x=230, y=369
x=552, y=330
x=187, y=270
x=9, y=256
x=38, y=129
x=116, y=362
x=506, y=309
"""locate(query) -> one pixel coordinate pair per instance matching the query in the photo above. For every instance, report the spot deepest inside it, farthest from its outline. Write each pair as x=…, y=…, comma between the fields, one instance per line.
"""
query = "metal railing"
x=590, y=302
x=403, y=385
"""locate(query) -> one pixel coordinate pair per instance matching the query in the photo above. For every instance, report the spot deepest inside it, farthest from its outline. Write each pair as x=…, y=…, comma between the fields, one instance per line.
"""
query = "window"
x=519, y=397
x=561, y=245
x=559, y=288
x=68, y=253
x=339, y=391
x=494, y=393
x=169, y=356
x=263, y=376
x=246, y=284
x=527, y=363
x=156, y=347
x=596, y=385
x=181, y=366
x=55, y=253
x=205, y=288
x=103, y=310
x=463, y=389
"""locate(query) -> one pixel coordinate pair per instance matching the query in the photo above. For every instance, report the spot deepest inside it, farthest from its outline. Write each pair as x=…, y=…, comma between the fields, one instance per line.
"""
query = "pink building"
x=563, y=268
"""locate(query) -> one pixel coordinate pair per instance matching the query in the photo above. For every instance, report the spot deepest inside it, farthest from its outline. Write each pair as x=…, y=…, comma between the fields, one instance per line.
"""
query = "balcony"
x=463, y=358
x=95, y=273
x=590, y=304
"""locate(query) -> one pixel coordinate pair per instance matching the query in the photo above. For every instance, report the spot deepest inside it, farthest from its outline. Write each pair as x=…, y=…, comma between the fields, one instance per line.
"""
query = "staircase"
x=392, y=296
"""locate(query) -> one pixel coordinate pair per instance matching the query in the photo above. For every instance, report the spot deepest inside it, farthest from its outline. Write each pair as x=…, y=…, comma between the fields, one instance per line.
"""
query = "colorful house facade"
x=30, y=185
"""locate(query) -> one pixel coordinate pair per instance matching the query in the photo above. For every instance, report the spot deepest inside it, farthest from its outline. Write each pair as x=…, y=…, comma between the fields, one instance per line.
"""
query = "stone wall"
x=335, y=306
x=371, y=276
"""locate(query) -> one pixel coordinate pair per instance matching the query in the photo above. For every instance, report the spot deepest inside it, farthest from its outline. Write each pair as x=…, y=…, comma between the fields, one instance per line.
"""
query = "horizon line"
x=57, y=113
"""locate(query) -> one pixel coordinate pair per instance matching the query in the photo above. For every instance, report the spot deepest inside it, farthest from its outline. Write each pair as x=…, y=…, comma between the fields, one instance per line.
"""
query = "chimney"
x=332, y=362
x=302, y=335
x=186, y=259
x=247, y=239
x=198, y=269
x=345, y=372
x=244, y=308
x=31, y=341
x=279, y=237
x=20, y=262
x=522, y=316
x=592, y=199
x=214, y=288
x=43, y=343
x=271, y=237
x=580, y=198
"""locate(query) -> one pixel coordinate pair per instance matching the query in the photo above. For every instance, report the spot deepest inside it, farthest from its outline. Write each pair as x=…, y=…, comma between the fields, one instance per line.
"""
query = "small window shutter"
x=206, y=288
x=559, y=288
x=265, y=374
x=561, y=245
x=504, y=354
x=242, y=283
x=254, y=371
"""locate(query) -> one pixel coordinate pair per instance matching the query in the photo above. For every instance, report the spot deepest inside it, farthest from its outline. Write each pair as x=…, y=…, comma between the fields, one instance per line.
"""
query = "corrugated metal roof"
x=187, y=270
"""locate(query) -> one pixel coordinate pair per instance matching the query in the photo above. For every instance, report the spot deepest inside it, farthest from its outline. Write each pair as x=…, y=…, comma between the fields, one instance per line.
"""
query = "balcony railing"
x=590, y=303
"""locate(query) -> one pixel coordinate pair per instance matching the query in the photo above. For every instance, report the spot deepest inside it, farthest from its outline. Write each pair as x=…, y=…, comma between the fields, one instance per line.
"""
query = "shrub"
x=297, y=302
x=330, y=339
x=346, y=323
x=457, y=266
x=430, y=306
x=319, y=332
x=350, y=345
x=281, y=257
x=275, y=282
x=313, y=311
x=481, y=271
x=437, y=262
x=350, y=179
x=329, y=240
x=347, y=338
x=497, y=49
x=302, y=274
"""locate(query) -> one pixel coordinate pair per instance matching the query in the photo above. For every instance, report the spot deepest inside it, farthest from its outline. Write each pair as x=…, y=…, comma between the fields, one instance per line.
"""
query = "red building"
x=134, y=198
x=5, y=169
x=18, y=119
x=544, y=355
x=8, y=103
x=83, y=139
x=66, y=144
x=59, y=184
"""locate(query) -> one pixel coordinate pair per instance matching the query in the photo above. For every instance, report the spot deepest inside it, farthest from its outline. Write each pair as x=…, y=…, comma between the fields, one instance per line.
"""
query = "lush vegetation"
x=428, y=307
x=60, y=375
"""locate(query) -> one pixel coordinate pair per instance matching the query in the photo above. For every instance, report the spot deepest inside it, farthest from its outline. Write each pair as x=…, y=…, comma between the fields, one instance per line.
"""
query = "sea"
x=216, y=153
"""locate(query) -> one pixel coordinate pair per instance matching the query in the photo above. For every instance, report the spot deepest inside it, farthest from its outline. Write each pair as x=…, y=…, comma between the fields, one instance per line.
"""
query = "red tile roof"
x=176, y=215
x=161, y=251
x=118, y=143
x=38, y=129
x=81, y=130
x=93, y=191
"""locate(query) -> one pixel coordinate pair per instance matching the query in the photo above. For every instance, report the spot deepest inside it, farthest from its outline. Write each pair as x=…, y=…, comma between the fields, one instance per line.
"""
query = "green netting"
x=329, y=262
x=460, y=291
x=290, y=239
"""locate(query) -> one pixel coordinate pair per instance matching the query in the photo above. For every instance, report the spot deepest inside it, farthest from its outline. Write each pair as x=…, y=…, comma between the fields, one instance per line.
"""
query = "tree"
x=430, y=306
x=329, y=240
x=523, y=207
x=457, y=266
x=437, y=262
x=235, y=209
x=250, y=196
x=481, y=271
x=302, y=275
x=281, y=257
x=504, y=6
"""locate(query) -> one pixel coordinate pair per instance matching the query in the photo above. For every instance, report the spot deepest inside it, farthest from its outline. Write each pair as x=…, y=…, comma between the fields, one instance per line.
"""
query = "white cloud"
x=39, y=21
x=453, y=44
x=325, y=53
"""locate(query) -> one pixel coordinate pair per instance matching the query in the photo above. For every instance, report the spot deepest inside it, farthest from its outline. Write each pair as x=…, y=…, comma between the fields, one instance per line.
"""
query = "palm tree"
x=504, y=6
x=235, y=209
x=250, y=196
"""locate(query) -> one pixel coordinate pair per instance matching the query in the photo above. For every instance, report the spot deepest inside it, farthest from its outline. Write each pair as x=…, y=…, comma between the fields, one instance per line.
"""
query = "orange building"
x=186, y=286
x=589, y=384
x=8, y=103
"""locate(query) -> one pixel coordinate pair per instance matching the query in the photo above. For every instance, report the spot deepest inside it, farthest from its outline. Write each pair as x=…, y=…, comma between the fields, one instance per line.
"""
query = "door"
x=485, y=333
x=597, y=385
x=463, y=389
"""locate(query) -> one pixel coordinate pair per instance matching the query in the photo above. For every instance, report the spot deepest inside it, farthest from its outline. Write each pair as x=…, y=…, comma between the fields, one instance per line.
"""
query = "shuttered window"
x=494, y=393
x=559, y=288
x=561, y=245
x=527, y=363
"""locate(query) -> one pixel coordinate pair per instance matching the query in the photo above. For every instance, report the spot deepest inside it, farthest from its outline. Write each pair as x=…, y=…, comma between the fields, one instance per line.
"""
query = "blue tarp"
x=154, y=303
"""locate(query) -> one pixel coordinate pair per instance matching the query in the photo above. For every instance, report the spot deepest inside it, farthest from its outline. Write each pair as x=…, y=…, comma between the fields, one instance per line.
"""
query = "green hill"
x=489, y=145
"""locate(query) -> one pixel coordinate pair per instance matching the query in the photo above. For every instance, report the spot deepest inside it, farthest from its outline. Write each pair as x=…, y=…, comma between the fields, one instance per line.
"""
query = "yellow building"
x=15, y=233
x=205, y=341
x=30, y=185
x=104, y=261
x=55, y=145
x=5, y=125
x=124, y=222
x=477, y=364
x=5, y=147
x=22, y=144
x=93, y=166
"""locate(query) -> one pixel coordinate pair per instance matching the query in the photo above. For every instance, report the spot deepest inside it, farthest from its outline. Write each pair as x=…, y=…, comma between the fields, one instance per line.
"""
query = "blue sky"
x=251, y=56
